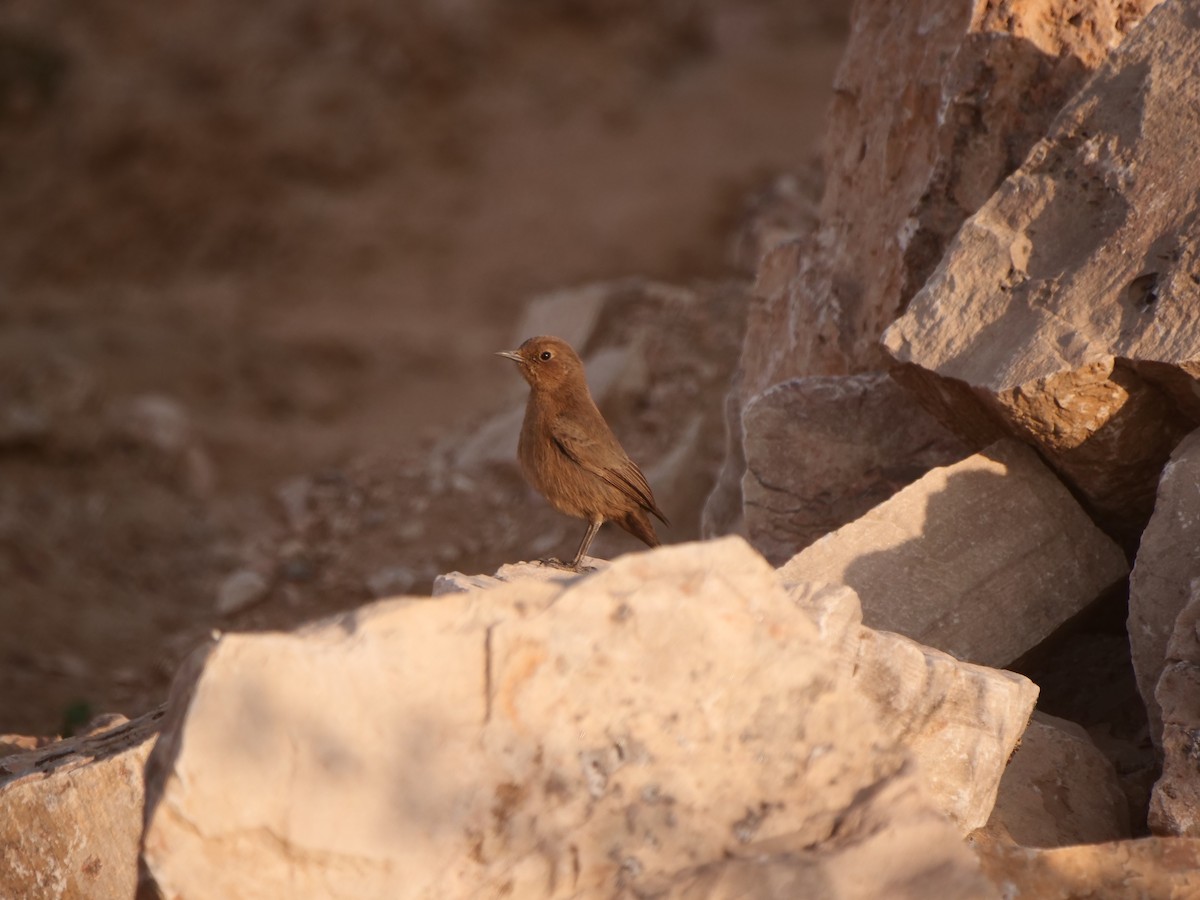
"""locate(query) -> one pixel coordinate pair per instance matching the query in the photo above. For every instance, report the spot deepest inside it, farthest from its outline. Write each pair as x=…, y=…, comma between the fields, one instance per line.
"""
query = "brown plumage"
x=569, y=453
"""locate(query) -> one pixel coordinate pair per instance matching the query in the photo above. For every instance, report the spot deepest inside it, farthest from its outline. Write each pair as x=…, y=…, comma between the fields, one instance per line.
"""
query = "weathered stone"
x=574, y=738
x=959, y=720
x=1160, y=584
x=157, y=421
x=1059, y=790
x=835, y=610
x=459, y=583
x=1064, y=312
x=935, y=102
x=783, y=211
x=162, y=425
x=1148, y=869
x=71, y=814
x=1165, y=600
x=982, y=559
x=892, y=847
x=11, y=744
x=1175, y=798
x=820, y=452
x=241, y=590
x=723, y=510
x=391, y=581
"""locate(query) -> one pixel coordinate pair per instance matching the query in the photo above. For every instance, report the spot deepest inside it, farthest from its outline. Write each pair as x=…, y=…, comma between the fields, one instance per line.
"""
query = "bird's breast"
x=568, y=487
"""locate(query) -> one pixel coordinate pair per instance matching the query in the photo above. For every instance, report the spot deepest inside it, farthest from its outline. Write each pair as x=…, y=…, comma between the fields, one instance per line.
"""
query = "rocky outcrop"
x=820, y=452
x=71, y=814
x=1159, y=868
x=1175, y=800
x=460, y=583
x=571, y=738
x=1064, y=310
x=935, y=103
x=893, y=847
x=982, y=559
x=1058, y=790
x=958, y=720
x=1160, y=586
x=1164, y=614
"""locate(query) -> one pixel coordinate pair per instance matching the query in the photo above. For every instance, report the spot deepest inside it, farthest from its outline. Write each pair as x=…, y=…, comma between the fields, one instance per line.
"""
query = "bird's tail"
x=639, y=525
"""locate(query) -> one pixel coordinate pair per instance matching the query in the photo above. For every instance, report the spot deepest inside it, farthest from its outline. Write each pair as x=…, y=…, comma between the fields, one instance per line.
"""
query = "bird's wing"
x=596, y=450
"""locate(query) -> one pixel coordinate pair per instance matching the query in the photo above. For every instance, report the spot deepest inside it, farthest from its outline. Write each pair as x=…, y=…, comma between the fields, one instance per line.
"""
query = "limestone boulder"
x=982, y=559
x=822, y=451
x=592, y=736
x=934, y=104
x=1064, y=311
x=1058, y=790
x=959, y=721
x=1175, y=798
x=71, y=814
x=1158, y=868
x=460, y=583
x=893, y=847
x=1165, y=600
x=1160, y=586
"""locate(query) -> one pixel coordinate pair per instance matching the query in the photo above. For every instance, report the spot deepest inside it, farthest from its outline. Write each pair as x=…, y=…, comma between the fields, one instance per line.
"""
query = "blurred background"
x=255, y=260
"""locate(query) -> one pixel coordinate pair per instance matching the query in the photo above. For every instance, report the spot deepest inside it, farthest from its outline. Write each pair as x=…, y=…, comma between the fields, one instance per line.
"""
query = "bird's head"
x=547, y=362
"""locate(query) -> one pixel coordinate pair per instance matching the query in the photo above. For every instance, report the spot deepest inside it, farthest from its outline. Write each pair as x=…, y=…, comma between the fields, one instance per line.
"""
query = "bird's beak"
x=511, y=354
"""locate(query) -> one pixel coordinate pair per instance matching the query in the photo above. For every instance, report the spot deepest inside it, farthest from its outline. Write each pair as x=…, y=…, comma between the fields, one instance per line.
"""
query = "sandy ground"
x=245, y=246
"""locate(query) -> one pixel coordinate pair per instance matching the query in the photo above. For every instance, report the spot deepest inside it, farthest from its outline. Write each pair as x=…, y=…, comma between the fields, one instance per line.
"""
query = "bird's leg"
x=593, y=527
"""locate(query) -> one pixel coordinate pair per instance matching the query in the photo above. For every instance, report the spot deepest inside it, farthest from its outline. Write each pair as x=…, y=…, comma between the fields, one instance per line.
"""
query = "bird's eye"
x=546, y=354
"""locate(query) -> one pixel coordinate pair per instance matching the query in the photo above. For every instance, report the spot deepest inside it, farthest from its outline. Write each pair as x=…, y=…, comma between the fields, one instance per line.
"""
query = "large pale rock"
x=1059, y=790
x=959, y=720
x=934, y=103
x=460, y=583
x=1160, y=586
x=893, y=847
x=1064, y=311
x=820, y=452
x=1165, y=601
x=71, y=815
x=1175, y=799
x=538, y=738
x=1148, y=869
x=982, y=559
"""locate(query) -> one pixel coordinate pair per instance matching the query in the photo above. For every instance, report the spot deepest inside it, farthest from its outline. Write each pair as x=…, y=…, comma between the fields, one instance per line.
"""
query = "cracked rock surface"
x=557, y=738
x=1064, y=311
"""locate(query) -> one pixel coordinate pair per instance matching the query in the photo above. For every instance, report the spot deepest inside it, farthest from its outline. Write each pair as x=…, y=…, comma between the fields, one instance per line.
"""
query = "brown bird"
x=569, y=453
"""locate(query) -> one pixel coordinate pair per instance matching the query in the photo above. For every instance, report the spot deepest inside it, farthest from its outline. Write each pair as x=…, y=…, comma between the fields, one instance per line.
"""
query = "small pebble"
x=240, y=591
x=391, y=581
